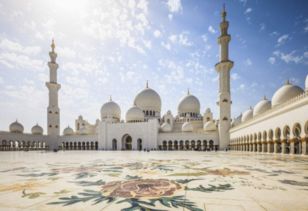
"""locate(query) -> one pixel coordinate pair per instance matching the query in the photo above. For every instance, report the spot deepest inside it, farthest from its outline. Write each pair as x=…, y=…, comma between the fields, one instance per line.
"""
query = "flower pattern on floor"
x=151, y=181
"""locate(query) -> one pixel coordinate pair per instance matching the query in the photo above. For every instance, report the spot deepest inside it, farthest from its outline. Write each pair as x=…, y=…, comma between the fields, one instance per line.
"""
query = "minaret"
x=223, y=68
x=53, y=111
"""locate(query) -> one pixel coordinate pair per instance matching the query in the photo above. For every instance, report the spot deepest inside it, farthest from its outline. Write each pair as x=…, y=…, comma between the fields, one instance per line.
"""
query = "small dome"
x=16, y=127
x=148, y=99
x=247, y=115
x=262, y=106
x=187, y=127
x=189, y=104
x=285, y=93
x=166, y=127
x=134, y=114
x=68, y=131
x=110, y=110
x=207, y=110
x=209, y=126
x=37, y=130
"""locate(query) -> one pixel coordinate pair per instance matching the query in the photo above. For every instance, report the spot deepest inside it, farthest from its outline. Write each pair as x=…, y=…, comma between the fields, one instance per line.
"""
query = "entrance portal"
x=127, y=142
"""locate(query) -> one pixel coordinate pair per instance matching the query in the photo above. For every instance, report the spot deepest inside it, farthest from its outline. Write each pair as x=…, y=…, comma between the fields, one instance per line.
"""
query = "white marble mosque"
x=276, y=125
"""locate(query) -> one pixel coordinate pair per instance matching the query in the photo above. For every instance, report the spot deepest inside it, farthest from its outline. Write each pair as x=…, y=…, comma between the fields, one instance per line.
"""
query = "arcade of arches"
x=9, y=145
x=88, y=145
x=285, y=140
x=188, y=145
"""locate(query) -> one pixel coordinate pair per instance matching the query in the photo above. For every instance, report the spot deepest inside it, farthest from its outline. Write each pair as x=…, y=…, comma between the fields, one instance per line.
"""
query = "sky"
x=113, y=47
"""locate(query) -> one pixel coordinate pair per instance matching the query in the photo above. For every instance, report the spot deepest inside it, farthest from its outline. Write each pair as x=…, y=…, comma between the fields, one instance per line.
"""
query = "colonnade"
x=285, y=140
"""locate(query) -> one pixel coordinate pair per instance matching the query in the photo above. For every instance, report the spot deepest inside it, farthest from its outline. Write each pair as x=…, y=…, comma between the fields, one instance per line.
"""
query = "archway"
x=114, y=144
x=127, y=142
x=164, y=145
x=139, y=144
x=211, y=144
x=181, y=145
x=170, y=145
x=176, y=146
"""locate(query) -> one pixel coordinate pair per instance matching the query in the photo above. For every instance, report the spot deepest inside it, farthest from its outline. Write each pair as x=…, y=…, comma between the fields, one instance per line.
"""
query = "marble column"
x=259, y=147
x=276, y=146
x=304, y=146
x=253, y=147
x=264, y=147
x=283, y=146
x=292, y=142
x=269, y=148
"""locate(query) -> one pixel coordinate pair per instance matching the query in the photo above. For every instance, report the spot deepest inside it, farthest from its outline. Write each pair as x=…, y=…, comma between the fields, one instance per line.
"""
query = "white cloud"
x=248, y=62
x=289, y=57
x=10, y=46
x=66, y=52
x=204, y=38
x=157, y=33
x=170, y=17
x=262, y=27
x=166, y=45
x=235, y=76
x=212, y=30
x=174, y=6
x=282, y=39
x=248, y=10
x=13, y=60
x=175, y=74
x=181, y=39
x=242, y=86
x=272, y=60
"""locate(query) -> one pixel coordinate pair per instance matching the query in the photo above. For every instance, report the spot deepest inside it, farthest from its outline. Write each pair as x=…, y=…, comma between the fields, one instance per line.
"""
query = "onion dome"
x=110, y=110
x=285, y=93
x=262, y=106
x=134, y=114
x=148, y=100
x=189, y=104
x=207, y=110
x=37, y=130
x=247, y=115
x=166, y=127
x=68, y=131
x=187, y=127
x=16, y=127
x=209, y=126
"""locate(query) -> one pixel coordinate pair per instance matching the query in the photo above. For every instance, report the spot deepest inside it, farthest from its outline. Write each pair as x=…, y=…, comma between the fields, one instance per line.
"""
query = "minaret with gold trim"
x=223, y=68
x=53, y=111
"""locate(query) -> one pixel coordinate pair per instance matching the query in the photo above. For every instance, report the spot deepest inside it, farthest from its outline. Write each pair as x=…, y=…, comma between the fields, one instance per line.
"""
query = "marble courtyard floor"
x=99, y=180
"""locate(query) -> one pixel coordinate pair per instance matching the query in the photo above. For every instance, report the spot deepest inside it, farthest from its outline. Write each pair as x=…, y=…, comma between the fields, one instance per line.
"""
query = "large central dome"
x=189, y=104
x=148, y=100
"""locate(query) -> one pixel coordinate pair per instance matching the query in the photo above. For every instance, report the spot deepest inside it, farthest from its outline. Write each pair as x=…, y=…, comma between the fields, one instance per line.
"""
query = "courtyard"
x=132, y=180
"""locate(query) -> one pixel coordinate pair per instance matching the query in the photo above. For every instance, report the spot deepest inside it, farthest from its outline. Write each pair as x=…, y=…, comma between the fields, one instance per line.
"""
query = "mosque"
x=279, y=125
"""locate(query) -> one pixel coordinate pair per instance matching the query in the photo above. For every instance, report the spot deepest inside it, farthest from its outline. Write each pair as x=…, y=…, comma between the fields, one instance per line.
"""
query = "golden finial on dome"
x=53, y=45
x=264, y=97
x=110, y=98
x=287, y=82
x=188, y=92
x=147, y=84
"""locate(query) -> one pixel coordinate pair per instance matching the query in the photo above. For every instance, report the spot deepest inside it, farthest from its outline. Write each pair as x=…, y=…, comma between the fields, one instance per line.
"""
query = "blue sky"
x=112, y=47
